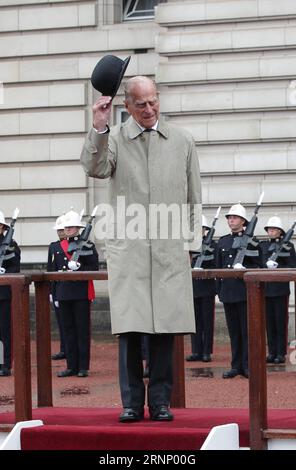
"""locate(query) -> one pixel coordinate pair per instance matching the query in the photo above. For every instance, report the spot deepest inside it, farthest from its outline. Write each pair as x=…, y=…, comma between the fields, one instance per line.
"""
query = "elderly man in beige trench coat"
x=150, y=282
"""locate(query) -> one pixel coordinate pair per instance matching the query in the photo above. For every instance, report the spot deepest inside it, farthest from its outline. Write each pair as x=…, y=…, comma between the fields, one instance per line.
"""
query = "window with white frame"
x=121, y=115
x=139, y=9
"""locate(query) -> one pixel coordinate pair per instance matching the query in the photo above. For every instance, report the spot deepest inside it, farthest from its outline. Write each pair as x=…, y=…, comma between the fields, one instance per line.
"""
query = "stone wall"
x=226, y=71
x=48, y=50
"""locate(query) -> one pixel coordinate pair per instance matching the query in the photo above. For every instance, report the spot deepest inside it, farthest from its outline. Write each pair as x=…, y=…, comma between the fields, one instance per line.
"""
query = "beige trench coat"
x=150, y=283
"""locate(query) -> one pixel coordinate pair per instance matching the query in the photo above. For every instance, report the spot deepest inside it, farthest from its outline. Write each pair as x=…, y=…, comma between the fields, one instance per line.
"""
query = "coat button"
x=65, y=259
x=64, y=267
x=230, y=256
x=229, y=265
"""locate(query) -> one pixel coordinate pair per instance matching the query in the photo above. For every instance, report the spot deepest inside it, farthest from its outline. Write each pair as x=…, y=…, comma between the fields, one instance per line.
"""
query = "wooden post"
x=21, y=350
x=43, y=343
x=257, y=364
x=178, y=393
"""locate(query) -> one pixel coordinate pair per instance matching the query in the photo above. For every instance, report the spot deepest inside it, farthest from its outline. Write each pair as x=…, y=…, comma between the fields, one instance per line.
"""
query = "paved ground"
x=204, y=384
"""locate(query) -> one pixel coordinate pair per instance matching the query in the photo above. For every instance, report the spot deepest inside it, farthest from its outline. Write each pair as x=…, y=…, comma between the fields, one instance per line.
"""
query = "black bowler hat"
x=108, y=73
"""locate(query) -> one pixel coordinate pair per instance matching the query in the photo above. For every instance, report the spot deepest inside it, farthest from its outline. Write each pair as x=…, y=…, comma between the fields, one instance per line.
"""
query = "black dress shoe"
x=206, y=358
x=270, y=359
x=58, y=356
x=193, y=357
x=280, y=360
x=129, y=415
x=82, y=373
x=161, y=413
x=230, y=374
x=5, y=372
x=67, y=373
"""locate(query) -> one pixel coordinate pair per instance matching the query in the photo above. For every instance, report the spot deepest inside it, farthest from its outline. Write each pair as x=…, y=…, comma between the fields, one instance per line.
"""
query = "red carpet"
x=99, y=429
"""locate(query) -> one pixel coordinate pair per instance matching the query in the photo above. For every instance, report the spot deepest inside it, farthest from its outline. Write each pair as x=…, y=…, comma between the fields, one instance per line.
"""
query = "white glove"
x=198, y=269
x=73, y=265
x=271, y=264
x=50, y=298
x=239, y=266
x=2, y=270
x=56, y=303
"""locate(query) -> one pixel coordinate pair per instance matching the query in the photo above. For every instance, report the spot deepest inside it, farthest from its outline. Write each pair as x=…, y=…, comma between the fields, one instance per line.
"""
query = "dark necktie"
x=146, y=135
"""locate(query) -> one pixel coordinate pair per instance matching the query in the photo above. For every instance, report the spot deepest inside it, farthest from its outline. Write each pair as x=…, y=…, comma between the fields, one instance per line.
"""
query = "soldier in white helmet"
x=53, y=248
x=277, y=293
x=204, y=292
x=232, y=292
x=75, y=297
x=10, y=265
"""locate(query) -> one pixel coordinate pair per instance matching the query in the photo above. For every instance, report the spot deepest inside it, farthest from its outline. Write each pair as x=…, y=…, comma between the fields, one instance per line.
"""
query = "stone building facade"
x=226, y=70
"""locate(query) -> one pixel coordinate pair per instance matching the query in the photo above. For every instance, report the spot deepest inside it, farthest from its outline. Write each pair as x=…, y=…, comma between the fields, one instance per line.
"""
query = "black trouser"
x=276, y=324
x=5, y=332
x=145, y=347
x=75, y=319
x=131, y=370
x=236, y=319
x=202, y=340
x=60, y=327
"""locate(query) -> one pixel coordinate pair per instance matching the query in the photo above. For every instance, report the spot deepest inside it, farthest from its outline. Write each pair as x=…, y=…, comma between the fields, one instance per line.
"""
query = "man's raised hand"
x=101, y=113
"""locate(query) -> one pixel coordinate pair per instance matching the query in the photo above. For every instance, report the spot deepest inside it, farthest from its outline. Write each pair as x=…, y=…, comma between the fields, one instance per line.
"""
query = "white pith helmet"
x=204, y=222
x=2, y=219
x=239, y=210
x=59, y=223
x=72, y=219
x=274, y=222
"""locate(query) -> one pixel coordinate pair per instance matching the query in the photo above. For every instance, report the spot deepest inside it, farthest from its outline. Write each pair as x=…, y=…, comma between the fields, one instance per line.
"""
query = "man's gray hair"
x=131, y=82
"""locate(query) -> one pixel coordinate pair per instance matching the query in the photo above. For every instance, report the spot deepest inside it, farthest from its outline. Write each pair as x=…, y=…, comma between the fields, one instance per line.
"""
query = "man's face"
x=235, y=223
x=61, y=234
x=71, y=231
x=2, y=228
x=274, y=232
x=143, y=104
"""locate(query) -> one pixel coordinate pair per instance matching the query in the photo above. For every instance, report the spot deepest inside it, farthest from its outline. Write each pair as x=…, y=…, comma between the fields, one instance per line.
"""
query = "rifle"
x=5, y=247
x=282, y=249
x=206, y=250
x=246, y=240
x=76, y=247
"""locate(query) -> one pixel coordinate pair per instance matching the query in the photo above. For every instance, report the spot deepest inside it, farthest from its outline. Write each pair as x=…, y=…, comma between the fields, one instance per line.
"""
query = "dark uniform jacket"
x=52, y=249
x=11, y=265
x=276, y=289
x=58, y=261
x=205, y=287
x=233, y=290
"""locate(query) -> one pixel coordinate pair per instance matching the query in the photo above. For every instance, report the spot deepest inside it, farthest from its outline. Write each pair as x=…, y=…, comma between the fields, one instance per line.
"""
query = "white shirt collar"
x=143, y=128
